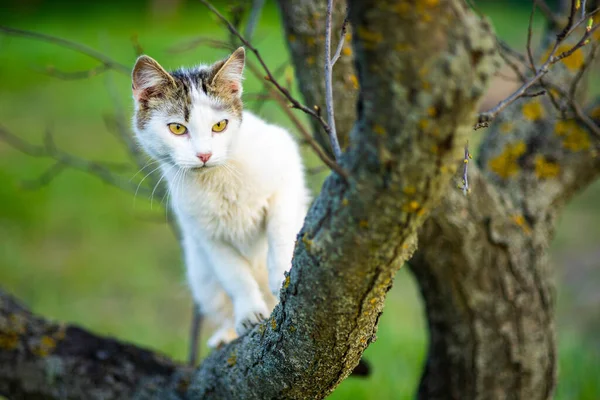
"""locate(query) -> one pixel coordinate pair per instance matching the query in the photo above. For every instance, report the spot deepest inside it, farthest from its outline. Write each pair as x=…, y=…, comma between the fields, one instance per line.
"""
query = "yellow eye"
x=220, y=126
x=177, y=129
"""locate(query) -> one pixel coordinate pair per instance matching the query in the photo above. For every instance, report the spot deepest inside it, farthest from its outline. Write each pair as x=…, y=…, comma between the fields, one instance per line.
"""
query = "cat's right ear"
x=147, y=74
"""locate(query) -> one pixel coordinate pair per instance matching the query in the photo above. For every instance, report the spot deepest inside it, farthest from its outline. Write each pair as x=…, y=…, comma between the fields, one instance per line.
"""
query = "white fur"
x=239, y=213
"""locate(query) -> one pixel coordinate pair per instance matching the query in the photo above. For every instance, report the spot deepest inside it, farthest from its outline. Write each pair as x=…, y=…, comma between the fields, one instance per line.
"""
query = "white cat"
x=237, y=187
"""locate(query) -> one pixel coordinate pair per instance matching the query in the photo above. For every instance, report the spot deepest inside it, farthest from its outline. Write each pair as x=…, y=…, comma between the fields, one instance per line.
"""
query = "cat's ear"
x=227, y=76
x=148, y=74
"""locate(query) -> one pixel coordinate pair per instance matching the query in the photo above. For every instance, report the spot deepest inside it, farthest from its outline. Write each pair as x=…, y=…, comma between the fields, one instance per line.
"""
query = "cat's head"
x=188, y=117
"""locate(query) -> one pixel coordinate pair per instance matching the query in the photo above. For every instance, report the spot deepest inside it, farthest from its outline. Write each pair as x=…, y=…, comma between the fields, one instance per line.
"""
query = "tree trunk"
x=486, y=283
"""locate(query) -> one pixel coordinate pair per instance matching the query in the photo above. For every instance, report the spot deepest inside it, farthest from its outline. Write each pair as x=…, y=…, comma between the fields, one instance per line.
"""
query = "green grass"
x=82, y=251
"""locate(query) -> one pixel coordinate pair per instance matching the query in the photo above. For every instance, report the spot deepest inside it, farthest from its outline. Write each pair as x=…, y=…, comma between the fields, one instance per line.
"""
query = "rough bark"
x=358, y=233
x=483, y=264
x=45, y=360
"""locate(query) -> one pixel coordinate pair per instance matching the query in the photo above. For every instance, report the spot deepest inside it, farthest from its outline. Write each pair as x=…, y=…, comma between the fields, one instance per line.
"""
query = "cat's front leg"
x=235, y=275
x=283, y=224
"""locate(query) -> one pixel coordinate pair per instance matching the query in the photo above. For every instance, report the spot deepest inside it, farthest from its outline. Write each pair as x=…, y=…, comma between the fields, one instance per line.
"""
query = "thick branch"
x=41, y=359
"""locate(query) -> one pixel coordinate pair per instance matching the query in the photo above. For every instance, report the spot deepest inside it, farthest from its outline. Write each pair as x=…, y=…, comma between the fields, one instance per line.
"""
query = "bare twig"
x=102, y=170
x=545, y=9
x=486, y=117
x=335, y=145
x=340, y=46
x=195, y=329
x=74, y=75
x=465, y=179
x=529, y=35
x=80, y=48
x=257, y=6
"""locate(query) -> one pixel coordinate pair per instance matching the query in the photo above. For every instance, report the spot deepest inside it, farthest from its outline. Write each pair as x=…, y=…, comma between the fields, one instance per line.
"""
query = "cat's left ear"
x=228, y=75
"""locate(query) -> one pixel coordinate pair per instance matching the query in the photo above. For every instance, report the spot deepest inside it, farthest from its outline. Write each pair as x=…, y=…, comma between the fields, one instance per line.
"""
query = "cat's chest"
x=233, y=212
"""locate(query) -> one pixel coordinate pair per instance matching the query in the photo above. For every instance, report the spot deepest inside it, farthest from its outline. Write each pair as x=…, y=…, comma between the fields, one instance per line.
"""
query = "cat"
x=237, y=185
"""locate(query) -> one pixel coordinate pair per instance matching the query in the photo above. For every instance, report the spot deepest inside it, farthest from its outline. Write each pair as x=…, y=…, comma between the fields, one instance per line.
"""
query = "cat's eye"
x=177, y=129
x=220, y=126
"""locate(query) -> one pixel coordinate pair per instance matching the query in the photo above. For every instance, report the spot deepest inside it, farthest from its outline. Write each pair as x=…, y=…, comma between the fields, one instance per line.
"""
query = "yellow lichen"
x=545, y=169
x=232, y=360
x=9, y=340
x=432, y=111
x=533, y=111
x=505, y=164
x=401, y=47
x=378, y=129
x=307, y=242
x=291, y=38
x=574, y=137
x=345, y=201
x=353, y=80
x=286, y=283
x=409, y=190
x=292, y=329
x=423, y=124
x=273, y=323
x=44, y=347
x=506, y=127
x=401, y=8
x=310, y=60
x=363, y=223
x=520, y=221
x=262, y=328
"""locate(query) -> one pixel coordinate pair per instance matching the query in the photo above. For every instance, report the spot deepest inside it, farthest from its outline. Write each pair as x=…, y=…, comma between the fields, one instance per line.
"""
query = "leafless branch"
x=78, y=47
x=486, y=117
x=257, y=6
x=465, y=179
x=340, y=46
x=102, y=170
x=335, y=145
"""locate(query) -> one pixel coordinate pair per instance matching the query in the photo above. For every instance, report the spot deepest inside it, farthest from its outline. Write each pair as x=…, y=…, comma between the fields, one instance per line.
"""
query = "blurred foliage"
x=82, y=251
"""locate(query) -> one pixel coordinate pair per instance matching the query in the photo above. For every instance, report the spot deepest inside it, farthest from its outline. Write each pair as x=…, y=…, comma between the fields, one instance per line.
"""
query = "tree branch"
x=80, y=48
x=335, y=145
x=41, y=359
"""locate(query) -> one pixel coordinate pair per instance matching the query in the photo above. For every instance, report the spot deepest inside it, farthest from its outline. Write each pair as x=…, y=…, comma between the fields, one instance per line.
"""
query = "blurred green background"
x=82, y=251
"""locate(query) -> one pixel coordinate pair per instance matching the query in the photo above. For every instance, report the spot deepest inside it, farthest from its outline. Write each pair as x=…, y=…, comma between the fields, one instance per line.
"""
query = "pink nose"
x=204, y=157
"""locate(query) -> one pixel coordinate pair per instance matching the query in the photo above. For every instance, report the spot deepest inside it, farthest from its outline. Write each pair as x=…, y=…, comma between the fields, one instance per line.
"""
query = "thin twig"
x=465, y=180
x=80, y=48
x=529, y=35
x=73, y=75
x=102, y=170
x=335, y=145
x=257, y=6
x=195, y=329
x=486, y=117
x=340, y=46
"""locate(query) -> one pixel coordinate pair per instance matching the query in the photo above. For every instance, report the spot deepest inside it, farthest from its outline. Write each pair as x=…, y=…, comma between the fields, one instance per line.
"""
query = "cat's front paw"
x=222, y=336
x=247, y=316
